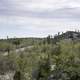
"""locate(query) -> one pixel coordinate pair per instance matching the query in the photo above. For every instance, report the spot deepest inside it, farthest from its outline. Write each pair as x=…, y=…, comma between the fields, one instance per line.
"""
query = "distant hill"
x=73, y=35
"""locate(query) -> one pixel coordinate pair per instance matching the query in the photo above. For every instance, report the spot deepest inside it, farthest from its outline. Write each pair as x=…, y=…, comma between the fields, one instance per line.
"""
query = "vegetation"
x=48, y=58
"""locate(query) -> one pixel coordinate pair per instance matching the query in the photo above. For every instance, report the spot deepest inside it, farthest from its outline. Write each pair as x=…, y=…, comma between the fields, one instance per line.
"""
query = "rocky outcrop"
x=7, y=76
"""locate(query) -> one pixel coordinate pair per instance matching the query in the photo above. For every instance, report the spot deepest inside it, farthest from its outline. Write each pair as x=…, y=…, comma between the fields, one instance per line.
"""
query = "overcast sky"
x=38, y=18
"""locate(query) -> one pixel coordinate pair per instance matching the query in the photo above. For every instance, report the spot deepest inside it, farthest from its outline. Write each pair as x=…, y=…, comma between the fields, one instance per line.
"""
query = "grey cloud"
x=63, y=13
x=8, y=8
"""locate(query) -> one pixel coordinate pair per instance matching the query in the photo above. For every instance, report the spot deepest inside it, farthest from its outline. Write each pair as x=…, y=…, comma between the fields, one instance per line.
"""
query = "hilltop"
x=73, y=35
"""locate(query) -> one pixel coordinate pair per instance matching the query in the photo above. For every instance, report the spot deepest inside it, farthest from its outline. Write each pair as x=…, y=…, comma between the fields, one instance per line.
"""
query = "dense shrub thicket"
x=46, y=60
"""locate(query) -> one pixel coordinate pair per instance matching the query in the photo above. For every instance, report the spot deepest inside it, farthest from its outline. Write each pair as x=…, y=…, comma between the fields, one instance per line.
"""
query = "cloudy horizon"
x=38, y=18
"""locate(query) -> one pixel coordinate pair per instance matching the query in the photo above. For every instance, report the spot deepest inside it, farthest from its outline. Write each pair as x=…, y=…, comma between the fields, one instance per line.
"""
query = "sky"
x=38, y=18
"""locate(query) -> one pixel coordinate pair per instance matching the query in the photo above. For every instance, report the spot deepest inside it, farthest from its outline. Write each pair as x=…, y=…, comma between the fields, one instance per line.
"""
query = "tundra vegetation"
x=51, y=58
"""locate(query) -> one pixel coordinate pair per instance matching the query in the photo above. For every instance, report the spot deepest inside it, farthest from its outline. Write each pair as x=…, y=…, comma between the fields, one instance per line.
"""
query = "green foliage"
x=43, y=70
x=39, y=55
